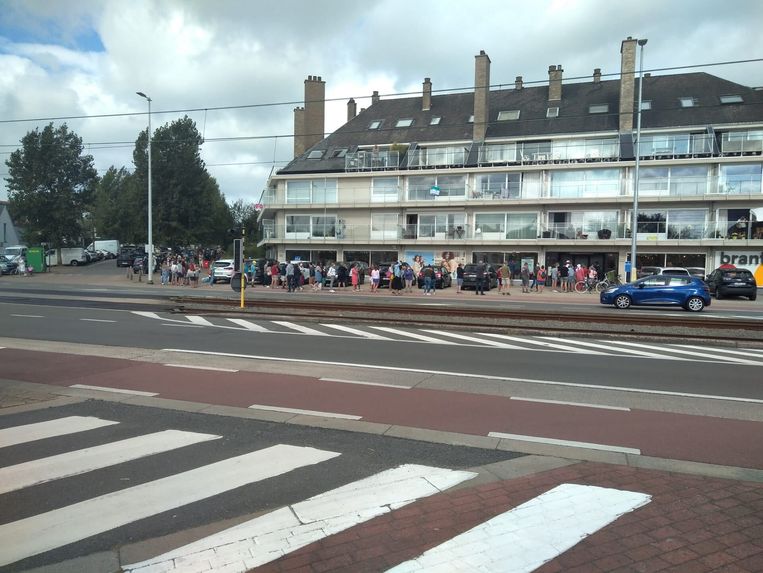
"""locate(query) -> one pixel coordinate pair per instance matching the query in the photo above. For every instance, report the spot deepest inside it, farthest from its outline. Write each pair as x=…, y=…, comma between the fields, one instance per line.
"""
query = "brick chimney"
x=481, y=95
x=310, y=121
x=555, y=83
x=352, y=109
x=518, y=83
x=597, y=75
x=627, y=83
x=375, y=97
x=426, y=95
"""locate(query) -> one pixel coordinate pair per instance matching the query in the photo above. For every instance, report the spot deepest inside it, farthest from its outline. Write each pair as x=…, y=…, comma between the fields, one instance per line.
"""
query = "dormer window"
x=376, y=124
x=339, y=152
x=435, y=120
x=315, y=154
x=408, y=122
x=552, y=112
x=508, y=115
x=598, y=108
x=731, y=99
x=687, y=101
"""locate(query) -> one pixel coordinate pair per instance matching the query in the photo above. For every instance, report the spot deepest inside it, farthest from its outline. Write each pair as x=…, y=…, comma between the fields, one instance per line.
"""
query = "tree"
x=118, y=209
x=50, y=183
x=188, y=207
x=245, y=216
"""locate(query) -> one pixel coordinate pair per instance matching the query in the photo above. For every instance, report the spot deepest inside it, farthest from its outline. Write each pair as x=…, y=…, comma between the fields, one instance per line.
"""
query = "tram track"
x=551, y=321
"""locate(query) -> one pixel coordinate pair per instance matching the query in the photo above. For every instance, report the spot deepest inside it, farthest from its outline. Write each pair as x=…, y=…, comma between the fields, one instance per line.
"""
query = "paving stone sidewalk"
x=692, y=525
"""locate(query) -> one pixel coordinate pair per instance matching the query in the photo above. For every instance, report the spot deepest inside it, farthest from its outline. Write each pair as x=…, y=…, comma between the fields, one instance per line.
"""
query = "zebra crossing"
x=280, y=531
x=443, y=336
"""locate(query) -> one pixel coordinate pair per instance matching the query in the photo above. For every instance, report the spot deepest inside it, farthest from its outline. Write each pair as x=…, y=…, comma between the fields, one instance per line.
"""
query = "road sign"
x=236, y=282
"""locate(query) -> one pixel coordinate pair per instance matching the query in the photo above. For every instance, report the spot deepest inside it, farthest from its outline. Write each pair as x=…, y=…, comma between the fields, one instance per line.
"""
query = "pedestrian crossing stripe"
x=479, y=339
x=50, y=530
x=49, y=429
x=531, y=534
x=268, y=537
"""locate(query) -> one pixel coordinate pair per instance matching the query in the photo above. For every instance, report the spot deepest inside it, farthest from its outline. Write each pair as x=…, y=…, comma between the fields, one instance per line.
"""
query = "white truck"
x=69, y=256
x=106, y=245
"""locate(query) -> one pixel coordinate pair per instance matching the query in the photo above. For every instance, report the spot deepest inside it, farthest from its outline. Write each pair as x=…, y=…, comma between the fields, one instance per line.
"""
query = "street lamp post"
x=150, y=226
x=634, y=222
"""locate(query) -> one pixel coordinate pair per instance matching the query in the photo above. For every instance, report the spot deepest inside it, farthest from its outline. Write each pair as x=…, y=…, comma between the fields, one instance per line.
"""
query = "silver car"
x=222, y=270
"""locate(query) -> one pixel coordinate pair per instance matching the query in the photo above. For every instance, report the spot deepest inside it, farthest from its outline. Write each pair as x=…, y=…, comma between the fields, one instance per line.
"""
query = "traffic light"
x=238, y=255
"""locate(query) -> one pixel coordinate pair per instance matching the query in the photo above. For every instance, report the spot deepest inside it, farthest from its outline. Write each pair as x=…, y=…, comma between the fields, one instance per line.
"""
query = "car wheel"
x=623, y=301
x=718, y=295
x=753, y=296
x=74, y=263
x=695, y=304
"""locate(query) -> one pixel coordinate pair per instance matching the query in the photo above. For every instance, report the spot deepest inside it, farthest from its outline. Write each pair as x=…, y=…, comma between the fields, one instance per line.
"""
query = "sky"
x=78, y=58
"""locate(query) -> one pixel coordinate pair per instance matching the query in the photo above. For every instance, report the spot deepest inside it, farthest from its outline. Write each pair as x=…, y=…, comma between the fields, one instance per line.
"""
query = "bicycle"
x=608, y=282
x=586, y=285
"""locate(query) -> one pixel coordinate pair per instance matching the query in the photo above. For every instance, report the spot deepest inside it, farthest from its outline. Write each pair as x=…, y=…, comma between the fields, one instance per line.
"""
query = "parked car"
x=127, y=254
x=676, y=290
x=442, y=278
x=222, y=270
x=649, y=271
x=732, y=282
x=698, y=272
x=7, y=266
x=470, y=276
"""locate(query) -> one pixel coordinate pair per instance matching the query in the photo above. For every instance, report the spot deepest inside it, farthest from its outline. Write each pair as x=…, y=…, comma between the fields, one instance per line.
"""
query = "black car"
x=127, y=254
x=442, y=277
x=732, y=282
x=470, y=276
x=7, y=267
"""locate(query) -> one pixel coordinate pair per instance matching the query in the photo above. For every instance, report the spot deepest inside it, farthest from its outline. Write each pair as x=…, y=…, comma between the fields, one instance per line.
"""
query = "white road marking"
x=248, y=325
x=42, y=430
x=147, y=314
x=563, y=403
x=116, y=390
x=364, y=334
x=280, y=532
x=300, y=328
x=701, y=355
x=746, y=352
x=415, y=335
x=365, y=383
x=308, y=412
x=555, y=345
x=606, y=346
x=81, y=461
x=468, y=375
x=569, y=443
x=474, y=339
x=28, y=315
x=59, y=527
x=213, y=368
x=96, y=320
x=526, y=537
x=200, y=320
x=182, y=325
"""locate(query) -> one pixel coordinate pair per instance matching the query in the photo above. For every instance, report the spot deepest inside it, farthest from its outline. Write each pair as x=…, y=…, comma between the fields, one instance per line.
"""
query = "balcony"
x=742, y=143
x=379, y=160
x=587, y=231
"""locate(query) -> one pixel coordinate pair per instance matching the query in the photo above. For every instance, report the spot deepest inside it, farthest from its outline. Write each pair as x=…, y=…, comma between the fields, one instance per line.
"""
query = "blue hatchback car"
x=677, y=290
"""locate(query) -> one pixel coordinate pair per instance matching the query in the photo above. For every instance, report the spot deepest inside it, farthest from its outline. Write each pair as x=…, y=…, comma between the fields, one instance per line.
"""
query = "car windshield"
x=738, y=274
x=223, y=263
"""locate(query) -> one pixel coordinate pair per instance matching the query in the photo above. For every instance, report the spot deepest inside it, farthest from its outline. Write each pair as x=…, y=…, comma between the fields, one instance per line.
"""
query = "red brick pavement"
x=693, y=525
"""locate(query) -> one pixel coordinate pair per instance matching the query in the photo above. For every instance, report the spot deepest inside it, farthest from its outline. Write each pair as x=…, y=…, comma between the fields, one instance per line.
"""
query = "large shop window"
x=585, y=183
x=429, y=188
x=311, y=191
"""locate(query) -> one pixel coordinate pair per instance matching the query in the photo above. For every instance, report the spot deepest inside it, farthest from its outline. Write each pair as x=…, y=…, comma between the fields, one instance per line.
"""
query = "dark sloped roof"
x=574, y=117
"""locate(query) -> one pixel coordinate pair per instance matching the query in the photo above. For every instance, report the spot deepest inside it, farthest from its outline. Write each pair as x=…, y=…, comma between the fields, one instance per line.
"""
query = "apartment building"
x=535, y=174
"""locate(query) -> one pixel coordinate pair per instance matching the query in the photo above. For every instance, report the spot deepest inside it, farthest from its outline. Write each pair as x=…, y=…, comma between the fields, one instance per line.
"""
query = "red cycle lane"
x=665, y=435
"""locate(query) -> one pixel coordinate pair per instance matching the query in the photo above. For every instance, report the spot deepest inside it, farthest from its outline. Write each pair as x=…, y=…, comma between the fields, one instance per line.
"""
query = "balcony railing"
x=742, y=143
x=372, y=160
x=586, y=231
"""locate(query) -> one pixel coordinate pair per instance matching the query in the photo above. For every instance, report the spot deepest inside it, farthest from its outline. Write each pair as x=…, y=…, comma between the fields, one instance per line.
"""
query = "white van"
x=106, y=245
x=14, y=252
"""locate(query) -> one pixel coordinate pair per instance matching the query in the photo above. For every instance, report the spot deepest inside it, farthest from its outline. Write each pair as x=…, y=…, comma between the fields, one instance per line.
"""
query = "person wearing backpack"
x=540, y=279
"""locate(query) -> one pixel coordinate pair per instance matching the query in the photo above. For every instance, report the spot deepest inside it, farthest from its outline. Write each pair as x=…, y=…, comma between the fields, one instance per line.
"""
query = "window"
x=384, y=226
x=731, y=99
x=508, y=115
x=498, y=153
x=420, y=188
x=435, y=120
x=586, y=183
x=297, y=226
x=323, y=226
x=339, y=152
x=740, y=179
x=521, y=225
x=311, y=191
x=376, y=124
x=404, y=122
x=598, y=108
x=315, y=154
x=651, y=222
x=686, y=101
x=306, y=226
x=686, y=223
x=498, y=186
x=646, y=105
x=384, y=190
x=552, y=112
